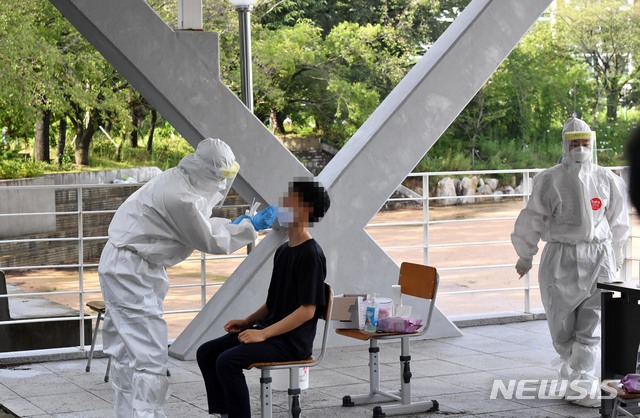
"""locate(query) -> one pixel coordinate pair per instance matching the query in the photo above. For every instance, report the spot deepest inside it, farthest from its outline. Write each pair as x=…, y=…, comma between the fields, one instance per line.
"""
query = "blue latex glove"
x=239, y=219
x=264, y=218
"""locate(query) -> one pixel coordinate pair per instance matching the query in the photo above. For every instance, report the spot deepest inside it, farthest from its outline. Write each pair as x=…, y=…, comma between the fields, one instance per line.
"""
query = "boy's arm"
x=237, y=325
x=286, y=324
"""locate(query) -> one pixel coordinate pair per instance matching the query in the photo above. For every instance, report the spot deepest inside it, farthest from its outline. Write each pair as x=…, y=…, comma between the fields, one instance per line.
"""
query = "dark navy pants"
x=222, y=361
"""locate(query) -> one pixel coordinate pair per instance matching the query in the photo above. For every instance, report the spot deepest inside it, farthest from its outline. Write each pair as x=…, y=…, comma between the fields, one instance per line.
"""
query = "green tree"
x=606, y=33
x=284, y=81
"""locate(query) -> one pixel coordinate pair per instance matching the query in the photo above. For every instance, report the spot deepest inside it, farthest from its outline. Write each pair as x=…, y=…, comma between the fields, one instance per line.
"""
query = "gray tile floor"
x=458, y=372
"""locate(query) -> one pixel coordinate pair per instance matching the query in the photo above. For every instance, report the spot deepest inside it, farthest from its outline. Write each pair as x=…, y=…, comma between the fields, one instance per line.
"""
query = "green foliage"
x=606, y=35
x=354, y=103
x=286, y=61
x=168, y=151
x=611, y=141
x=10, y=169
x=326, y=65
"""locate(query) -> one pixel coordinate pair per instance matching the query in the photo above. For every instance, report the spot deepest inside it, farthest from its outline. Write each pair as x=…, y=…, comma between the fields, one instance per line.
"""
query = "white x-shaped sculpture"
x=178, y=73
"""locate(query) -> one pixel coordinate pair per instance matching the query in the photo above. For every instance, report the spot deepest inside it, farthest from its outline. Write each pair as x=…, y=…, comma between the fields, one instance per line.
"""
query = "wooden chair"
x=415, y=280
x=266, y=398
x=99, y=307
x=622, y=397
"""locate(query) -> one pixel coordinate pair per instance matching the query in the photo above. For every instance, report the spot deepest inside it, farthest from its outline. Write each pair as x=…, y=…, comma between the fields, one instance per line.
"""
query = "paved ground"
x=458, y=372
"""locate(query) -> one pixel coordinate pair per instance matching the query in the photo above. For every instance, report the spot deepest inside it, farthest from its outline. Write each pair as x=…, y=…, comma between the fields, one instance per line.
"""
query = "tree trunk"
x=280, y=117
x=612, y=104
x=154, y=120
x=108, y=124
x=62, y=139
x=41, y=143
x=135, y=121
x=83, y=141
x=118, y=155
x=276, y=125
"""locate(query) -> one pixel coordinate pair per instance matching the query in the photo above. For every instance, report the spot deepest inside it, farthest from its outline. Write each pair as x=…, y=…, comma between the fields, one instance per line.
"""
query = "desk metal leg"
x=607, y=326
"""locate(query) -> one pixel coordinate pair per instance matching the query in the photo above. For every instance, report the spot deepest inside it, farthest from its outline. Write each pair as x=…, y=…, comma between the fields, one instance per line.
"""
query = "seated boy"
x=284, y=327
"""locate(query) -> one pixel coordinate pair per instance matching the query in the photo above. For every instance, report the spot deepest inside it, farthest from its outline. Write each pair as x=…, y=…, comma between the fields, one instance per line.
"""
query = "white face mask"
x=580, y=154
x=285, y=216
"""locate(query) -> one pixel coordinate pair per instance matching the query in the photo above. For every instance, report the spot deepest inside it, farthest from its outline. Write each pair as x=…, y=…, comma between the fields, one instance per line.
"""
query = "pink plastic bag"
x=631, y=383
x=399, y=324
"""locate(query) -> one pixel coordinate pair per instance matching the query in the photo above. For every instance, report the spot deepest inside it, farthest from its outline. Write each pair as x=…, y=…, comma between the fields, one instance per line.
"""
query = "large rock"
x=493, y=183
x=446, y=189
x=485, y=189
x=468, y=187
x=507, y=190
x=518, y=189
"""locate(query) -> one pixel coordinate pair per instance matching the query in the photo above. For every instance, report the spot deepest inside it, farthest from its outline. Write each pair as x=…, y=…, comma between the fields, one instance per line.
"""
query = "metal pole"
x=425, y=219
x=527, y=278
x=246, y=82
x=203, y=279
x=246, y=73
x=81, y=265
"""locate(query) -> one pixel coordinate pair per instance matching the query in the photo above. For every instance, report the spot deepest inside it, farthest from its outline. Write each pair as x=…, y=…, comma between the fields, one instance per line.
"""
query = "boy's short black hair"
x=314, y=195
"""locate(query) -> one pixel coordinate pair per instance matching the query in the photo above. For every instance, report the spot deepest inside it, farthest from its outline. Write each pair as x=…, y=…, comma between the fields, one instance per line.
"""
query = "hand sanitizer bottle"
x=371, y=320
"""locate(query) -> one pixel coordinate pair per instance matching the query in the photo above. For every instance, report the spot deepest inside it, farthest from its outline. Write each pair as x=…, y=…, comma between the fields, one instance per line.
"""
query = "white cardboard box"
x=349, y=311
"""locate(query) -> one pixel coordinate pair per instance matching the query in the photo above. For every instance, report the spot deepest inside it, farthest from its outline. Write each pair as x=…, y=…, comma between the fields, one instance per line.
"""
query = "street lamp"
x=243, y=7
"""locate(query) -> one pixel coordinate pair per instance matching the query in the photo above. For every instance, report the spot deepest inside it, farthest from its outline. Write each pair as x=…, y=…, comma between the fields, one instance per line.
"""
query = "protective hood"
x=577, y=130
x=211, y=170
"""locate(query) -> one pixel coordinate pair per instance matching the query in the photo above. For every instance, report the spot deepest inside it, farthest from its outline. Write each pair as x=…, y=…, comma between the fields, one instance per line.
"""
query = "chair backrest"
x=328, y=299
x=420, y=281
x=328, y=294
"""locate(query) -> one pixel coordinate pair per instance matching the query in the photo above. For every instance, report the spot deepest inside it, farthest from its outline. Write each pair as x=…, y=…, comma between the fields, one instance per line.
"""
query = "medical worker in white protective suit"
x=156, y=227
x=580, y=210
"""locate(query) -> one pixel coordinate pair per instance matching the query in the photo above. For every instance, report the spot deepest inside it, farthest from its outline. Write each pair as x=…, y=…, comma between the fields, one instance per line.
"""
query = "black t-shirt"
x=297, y=279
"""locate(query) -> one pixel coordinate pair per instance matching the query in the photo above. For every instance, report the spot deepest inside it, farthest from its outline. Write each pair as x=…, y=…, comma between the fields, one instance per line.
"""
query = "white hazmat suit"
x=156, y=227
x=580, y=210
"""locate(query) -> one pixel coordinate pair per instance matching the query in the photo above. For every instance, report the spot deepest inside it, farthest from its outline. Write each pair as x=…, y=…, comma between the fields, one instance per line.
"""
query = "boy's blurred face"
x=300, y=209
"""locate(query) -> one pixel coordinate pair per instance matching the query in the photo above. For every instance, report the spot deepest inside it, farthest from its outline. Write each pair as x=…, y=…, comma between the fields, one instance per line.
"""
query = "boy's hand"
x=252, y=336
x=235, y=326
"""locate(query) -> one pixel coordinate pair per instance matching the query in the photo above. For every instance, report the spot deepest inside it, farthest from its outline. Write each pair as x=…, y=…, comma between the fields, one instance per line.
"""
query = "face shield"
x=226, y=178
x=578, y=142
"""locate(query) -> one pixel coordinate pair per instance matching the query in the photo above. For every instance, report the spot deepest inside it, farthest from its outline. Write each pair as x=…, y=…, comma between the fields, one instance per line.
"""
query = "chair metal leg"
x=617, y=408
x=106, y=374
x=401, y=399
x=616, y=405
x=294, y=392
x=375, y=394
x=93, y=342
x=405, y=371
x=405, y=406
x=266, y=398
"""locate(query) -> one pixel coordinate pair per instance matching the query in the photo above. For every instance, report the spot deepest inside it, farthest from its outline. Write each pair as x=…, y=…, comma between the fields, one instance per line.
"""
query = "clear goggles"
x=228, y=175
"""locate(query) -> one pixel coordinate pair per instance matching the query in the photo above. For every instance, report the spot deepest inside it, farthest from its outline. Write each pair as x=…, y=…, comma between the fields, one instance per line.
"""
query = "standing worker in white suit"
x=156, y=227
x=580, y=210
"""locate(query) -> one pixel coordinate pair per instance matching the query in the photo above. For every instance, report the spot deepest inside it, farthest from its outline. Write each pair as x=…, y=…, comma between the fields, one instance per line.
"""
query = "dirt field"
x=447, y=259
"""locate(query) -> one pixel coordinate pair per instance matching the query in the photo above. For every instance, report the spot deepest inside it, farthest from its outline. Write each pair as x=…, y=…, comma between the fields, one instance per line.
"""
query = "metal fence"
x=198, y=291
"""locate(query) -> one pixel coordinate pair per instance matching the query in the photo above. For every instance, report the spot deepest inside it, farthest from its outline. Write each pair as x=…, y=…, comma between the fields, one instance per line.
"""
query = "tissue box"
x=349, y=311
x=399, y=324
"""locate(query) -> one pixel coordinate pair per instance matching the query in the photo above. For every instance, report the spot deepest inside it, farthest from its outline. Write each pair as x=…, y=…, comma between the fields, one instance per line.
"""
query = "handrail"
x=201, y=284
